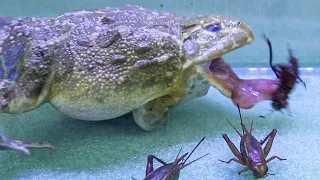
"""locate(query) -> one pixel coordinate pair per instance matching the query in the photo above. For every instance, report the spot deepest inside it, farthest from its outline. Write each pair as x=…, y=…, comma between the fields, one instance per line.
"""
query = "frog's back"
x=127, y=58
x=27, y=60
x=93, y=65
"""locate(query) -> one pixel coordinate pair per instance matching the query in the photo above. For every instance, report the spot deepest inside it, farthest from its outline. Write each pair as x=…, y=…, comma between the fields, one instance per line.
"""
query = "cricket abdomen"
x=166, y=172
x=251, y=150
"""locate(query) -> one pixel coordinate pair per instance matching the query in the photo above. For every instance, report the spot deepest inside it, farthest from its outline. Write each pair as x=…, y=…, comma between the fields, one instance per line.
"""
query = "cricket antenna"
x=179, y=153
x=270, y=48
x=193, y=150
x=195, y=160
x=234, y=128
x=244, y=129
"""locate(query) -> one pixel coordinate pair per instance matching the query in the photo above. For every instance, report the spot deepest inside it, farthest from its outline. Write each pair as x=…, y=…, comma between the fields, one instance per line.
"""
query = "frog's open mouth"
x=245, y=92
x=207, y=55
x=219, y=74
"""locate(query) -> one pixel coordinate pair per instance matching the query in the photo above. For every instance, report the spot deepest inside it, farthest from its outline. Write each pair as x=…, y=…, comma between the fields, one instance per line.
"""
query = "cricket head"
x=260, y=171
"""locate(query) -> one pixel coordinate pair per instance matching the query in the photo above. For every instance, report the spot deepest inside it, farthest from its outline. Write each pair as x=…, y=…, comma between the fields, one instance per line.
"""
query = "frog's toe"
x=17, y=145
x=149, y=119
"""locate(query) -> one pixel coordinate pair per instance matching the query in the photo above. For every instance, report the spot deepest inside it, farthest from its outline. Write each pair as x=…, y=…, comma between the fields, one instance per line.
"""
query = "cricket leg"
x=150, y=163
x=274, y=157
x=234, y=149
x=270, y=138
x=276, y=70
x=233, y=159
x=273, y=67
x=304, y=84
x=265, y=139
x=243, y=170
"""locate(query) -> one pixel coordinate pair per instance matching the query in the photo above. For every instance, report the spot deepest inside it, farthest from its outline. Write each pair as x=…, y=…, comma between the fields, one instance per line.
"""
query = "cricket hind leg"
x=234, y=150
x=150, y=168
x=270, y=139
x=277, y=69
x=273, y=67
x=265, y=139
x=300, y=80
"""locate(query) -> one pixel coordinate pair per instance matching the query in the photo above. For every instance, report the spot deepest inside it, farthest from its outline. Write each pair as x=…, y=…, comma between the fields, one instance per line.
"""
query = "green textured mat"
x=118, y=149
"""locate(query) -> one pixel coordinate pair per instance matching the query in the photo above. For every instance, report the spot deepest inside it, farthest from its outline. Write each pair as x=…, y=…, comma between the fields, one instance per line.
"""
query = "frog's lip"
x=220, y=80
x=216, y=59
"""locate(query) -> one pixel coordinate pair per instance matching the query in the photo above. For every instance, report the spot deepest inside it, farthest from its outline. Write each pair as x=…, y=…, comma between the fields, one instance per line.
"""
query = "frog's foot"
x=154, y=114
x=149, y=119
x=14, y=98
x=8, y=144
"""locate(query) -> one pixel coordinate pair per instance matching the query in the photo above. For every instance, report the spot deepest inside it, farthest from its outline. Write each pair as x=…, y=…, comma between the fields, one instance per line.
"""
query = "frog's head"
x=207, y=39
x=210, y=37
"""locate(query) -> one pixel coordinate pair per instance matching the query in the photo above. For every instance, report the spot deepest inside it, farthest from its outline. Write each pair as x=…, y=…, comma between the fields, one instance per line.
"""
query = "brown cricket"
x=288, y=76
x=169, y=171
x=251, y=153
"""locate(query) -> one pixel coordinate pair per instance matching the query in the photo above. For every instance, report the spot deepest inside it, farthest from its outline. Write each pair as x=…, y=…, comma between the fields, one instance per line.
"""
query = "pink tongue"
x=213, y=65
x=252, y=91
x=246, y=92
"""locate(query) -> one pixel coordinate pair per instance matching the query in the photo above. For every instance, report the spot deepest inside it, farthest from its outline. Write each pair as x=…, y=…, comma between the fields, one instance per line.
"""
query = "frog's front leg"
x=154, y=114
x=26, y=67
x=17, y=145
x=26, y=70
x=15, y=98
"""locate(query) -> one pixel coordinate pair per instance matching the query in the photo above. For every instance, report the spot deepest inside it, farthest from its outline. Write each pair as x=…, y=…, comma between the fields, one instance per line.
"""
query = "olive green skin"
x=104, y=63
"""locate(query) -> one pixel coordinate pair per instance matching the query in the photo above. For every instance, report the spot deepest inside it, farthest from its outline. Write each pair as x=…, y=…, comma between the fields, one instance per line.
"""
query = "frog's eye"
x=213, y=28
